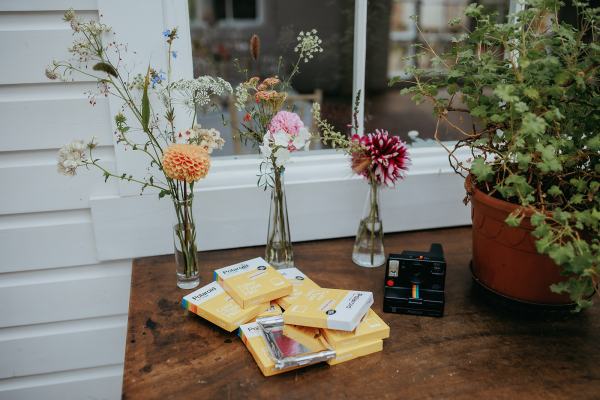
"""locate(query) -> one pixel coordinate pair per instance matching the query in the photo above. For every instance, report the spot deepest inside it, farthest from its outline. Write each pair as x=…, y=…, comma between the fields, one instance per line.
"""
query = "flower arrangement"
x=382, y=160
x=177, y=158
x=276, y=133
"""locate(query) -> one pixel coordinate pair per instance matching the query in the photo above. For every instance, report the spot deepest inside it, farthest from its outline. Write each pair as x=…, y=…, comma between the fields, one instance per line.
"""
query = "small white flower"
x=302, y=139
x=413, y=134
x=51, y=74
x=282, y=155
x=281, y=138
x=71, y=156
x=265, y=150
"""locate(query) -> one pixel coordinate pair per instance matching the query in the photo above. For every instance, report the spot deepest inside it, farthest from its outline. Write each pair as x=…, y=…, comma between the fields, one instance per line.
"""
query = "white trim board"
x=324, y=200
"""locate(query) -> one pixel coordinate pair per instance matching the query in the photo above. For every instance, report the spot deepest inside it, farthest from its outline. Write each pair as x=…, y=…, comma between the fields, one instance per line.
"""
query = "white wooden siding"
x=63, y=313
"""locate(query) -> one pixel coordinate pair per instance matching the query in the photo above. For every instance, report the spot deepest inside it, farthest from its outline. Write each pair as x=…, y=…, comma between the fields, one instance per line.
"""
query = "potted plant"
x=531, y=86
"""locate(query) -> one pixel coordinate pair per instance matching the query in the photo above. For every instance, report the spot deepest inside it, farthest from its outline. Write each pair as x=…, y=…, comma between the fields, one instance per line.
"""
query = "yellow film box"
x=270, y=311
x=348, y=353
x=329, y=308
x=300, y=284
x=212, y=303
x=371, y=328
x=311, y=338
x=251, y=335
x=253, y=282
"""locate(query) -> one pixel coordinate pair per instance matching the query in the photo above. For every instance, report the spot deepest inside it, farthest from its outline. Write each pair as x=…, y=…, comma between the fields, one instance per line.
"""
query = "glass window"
x=390, y=40
x=327, y=79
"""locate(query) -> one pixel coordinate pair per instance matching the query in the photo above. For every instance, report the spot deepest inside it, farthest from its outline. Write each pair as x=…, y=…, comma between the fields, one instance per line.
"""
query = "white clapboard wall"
x=63, y=311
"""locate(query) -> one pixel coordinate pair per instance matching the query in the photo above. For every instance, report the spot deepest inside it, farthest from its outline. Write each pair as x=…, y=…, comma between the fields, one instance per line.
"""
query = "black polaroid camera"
x=414, y=282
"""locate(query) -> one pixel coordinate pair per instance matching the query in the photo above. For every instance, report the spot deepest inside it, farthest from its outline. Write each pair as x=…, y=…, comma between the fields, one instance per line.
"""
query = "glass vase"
x=368, y=248
x=279, y=252
x=186, y=252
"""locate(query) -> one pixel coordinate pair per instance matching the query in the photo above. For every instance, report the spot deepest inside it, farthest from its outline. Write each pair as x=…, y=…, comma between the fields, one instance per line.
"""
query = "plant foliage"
x=531, y=85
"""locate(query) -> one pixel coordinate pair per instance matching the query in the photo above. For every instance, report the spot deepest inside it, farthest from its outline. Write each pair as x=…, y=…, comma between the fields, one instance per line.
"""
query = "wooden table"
x=475, y=351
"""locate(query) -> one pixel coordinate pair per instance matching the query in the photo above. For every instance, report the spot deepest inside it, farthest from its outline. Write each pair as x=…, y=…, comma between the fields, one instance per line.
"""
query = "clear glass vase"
x=368, y=248
x=186, y=252
x=279, y=252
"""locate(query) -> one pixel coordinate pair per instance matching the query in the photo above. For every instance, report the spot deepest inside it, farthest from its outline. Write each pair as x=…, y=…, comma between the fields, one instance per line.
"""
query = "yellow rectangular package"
x=253, y=282
x=272, y=310
x=348, y=353
x=253, y=338
x=311, y=338
x=329, y=308
x=212, y=303
x=300, y=283
x=371, y=328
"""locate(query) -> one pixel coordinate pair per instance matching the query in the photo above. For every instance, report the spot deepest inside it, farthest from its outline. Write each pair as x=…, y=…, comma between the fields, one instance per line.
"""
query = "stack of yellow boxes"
x=317, y=318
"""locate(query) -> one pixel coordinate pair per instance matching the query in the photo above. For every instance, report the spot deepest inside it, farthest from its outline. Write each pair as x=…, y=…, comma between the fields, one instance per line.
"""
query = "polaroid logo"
x=204, y=294
x=235, y=268
x=353, y=300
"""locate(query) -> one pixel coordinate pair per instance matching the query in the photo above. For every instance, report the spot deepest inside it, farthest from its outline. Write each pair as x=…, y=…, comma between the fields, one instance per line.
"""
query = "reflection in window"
x=385, y=107
x=216, y=45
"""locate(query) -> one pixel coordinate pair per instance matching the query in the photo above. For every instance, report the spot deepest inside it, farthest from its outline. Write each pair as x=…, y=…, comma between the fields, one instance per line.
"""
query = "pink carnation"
x=286, y=121
x=385, y=156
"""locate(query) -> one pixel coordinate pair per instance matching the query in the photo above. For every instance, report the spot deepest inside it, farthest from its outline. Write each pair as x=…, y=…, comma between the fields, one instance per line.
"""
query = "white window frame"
x=325, y=199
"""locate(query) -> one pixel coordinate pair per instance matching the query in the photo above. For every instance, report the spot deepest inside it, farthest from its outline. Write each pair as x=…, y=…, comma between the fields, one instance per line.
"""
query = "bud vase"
x=368, y=247
x=186, y=253
x=279, y=252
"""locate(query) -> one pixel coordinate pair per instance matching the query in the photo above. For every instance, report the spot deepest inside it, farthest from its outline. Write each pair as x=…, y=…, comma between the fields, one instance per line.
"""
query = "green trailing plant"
x=531, y=87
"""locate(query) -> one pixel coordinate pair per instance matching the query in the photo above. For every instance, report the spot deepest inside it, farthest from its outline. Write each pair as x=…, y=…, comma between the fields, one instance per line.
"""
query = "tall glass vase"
x=368, y=248
x=279, y=252
x=186, y=252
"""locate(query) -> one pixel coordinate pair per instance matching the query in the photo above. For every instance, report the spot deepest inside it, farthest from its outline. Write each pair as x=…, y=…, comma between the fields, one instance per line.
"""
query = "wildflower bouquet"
x=177, y=158
x=382, y=159
x=277, y=133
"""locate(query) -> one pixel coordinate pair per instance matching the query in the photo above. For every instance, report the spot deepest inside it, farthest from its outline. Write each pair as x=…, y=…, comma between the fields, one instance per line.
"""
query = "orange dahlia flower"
x=186, y=162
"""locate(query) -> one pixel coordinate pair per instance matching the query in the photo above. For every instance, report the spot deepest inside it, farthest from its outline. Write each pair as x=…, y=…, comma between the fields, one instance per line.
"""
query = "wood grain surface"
x=479, y=349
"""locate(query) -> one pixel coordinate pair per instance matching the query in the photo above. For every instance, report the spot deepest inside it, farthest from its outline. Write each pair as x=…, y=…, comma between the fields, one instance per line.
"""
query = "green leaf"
x=146, y=104
x=549, y=162
x=533, y=125
x=537, y=218
x=514, y=218
x=105, y=67
x=554, y=191
x=481, y=170
x=506, y=93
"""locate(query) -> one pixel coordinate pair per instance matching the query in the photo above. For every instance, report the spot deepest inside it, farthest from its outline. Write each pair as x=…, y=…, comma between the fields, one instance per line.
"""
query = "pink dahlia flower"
x=287, y=122
x=286, y=129
x=384, y=156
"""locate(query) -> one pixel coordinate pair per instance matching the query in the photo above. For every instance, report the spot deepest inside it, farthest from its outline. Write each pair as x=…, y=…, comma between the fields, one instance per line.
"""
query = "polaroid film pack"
x=285, y=319
x=414, y=282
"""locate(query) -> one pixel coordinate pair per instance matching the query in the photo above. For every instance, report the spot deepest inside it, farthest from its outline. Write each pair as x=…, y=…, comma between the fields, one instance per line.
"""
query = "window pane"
x=389, y=41
x=244, y=9
x=219, y=8
x=327, y=78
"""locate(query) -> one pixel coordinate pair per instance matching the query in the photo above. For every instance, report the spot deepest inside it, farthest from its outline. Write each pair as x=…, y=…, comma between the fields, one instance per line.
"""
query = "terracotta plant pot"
x=505, y=259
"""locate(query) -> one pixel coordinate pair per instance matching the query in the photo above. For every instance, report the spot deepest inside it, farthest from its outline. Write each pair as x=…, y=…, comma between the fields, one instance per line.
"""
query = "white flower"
x=308, y=44
x=210, y=139
x=199, y=92
x=302, y=139
x=281, y=138
x=282, y=155
x=51, y=73
x=265, y=148
x=71, y=156
x=413, y=134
